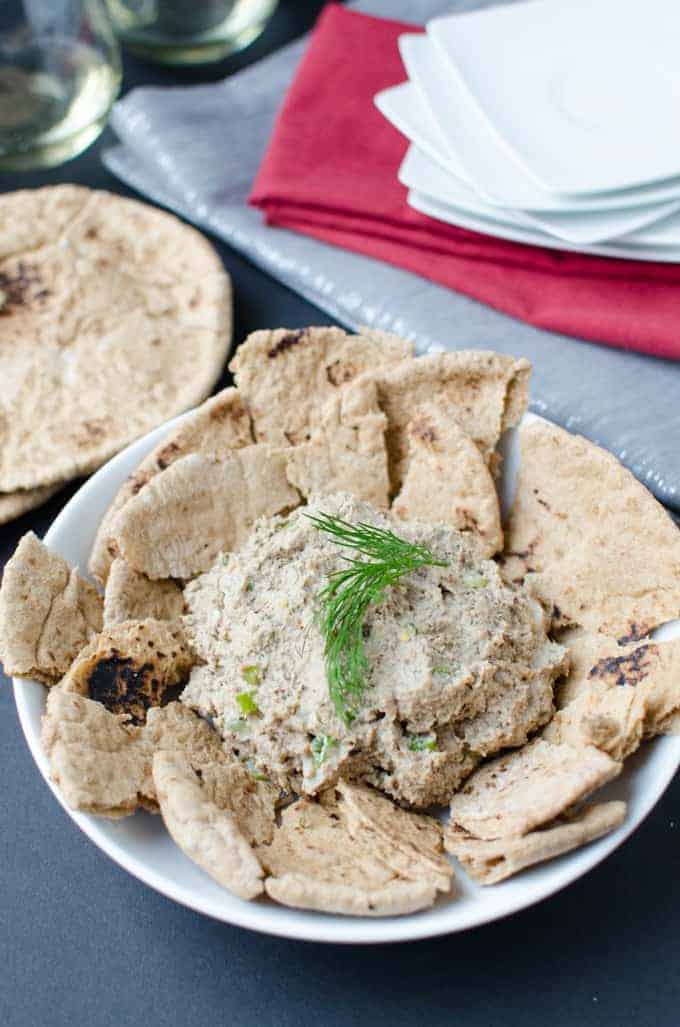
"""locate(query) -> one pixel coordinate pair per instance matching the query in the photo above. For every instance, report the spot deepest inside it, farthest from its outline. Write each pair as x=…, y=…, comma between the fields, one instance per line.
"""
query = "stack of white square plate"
x=553, y=122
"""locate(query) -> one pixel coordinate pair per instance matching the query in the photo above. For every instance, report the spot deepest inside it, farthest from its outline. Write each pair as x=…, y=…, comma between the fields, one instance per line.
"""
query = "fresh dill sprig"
x=345, y=600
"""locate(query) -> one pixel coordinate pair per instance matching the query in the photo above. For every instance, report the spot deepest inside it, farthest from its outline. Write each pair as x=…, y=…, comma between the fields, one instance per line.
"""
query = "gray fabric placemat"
x=196, y=150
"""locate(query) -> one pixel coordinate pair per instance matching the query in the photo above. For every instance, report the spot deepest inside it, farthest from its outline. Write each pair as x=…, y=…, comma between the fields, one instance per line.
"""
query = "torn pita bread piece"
x=217, y=426
x=592, y=542
x=15, y=504
x=617, y=695
x=489, y=862
x=130, y=595
x=131, y=667
x=98, y=762
x=347, y=449
x=199, y=507
x=446, y=479
x=611, y=719
x=102, y=762
x=47, y=613
x=286, y=377
x=526, y=788
x=119, y=322
x=315, y=862
x=214, y=813
x=409, y=843
x=488, y=391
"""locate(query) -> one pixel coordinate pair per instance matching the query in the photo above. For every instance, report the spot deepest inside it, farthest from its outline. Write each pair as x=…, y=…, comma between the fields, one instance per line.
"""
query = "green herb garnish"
x=321, y=746
x=345, y=600
x=441, y=669
x=252, y=674
x=246, y=703
x=422, y=743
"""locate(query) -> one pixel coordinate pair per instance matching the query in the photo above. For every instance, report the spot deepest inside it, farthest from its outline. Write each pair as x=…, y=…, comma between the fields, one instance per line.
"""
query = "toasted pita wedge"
x=102, y=762
x=217, y=426
x=619, y=693
x=131, y=667
x=47, y=613
x=130, y=595
x=347, y=449
x=516, y=793
x=286, y=377
x=96, y=758
x=489, y=862
x=409, y=843
x=198, y=507
x=206, y=822
x=611, y=719
x=447, y=480
x=314, y=862
x=488, y=391
x=596, y=543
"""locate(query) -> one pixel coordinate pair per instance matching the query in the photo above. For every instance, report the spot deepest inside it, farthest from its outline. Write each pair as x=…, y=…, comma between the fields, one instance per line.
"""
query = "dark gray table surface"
x=82, y=942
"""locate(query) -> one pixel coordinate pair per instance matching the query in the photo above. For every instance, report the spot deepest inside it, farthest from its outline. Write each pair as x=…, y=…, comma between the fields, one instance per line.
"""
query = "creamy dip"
x=460, y=662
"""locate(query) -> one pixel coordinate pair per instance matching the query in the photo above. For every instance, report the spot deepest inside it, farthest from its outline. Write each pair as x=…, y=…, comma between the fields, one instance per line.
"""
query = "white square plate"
x=630, y=249
x=585, y=94
x=143, y=847
x=420, y=172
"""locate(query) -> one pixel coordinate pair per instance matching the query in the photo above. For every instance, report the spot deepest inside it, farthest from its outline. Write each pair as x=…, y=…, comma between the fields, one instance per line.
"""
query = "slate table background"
x=82, y=942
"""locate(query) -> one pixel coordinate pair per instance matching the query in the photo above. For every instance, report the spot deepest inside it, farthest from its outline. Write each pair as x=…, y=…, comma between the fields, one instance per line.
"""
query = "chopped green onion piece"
x=248, y=585
x=246, y=703
x=476, y=581
x=252, y=674
x=441, y=669
x=321, y=747
x=421, y=743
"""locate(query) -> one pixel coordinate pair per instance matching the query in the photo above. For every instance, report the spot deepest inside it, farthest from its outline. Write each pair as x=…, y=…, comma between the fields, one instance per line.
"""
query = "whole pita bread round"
x=115, y=317
x=15, y=504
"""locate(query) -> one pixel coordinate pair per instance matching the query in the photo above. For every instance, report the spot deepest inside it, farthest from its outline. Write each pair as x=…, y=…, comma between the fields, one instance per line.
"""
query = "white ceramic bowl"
x=142, y=846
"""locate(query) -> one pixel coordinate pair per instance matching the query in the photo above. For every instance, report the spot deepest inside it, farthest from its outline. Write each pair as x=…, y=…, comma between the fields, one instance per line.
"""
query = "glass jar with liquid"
x=189, y=31
x=59, y=74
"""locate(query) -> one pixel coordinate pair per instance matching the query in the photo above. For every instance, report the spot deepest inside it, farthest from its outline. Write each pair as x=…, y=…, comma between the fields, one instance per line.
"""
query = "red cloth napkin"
x=331, y=172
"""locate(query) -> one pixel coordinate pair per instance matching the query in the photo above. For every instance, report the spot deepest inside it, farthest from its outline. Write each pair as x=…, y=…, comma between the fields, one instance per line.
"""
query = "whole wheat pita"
x=446, y=479
x=409, y=843
x=516, y=793
x=217, y=426
x=592, y=541
x=103, y=764
x=15, y=504
x=131, y=667
x=211, y=829
x=199, y=507
x=488, y=391
x=120, y=319
x=47, y=613
x=346, y=452
x=130, y=595
x=286, y=376
x=489, y=862
x=315, y=862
